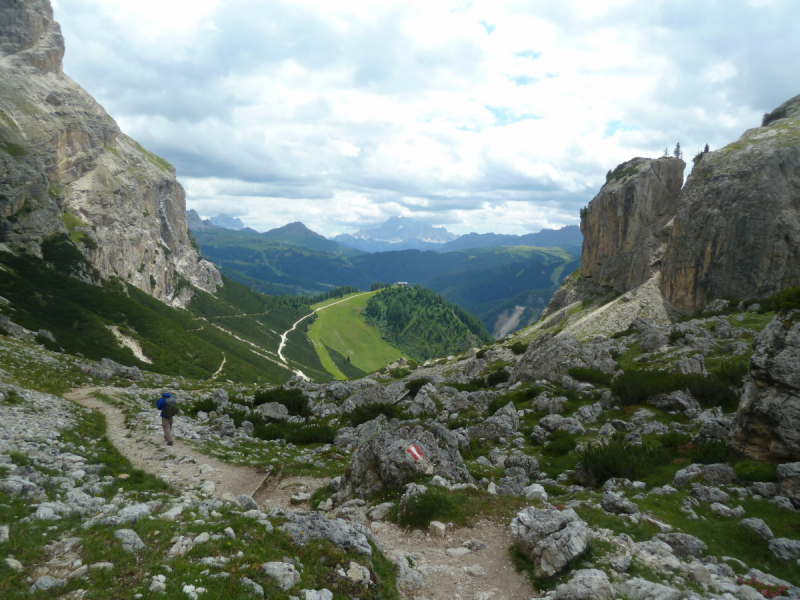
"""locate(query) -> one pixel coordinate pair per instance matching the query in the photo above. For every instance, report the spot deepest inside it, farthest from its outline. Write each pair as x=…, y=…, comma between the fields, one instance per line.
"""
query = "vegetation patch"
x=590, y=375
x=292, y=399
x=637, y=385
x=368, y=412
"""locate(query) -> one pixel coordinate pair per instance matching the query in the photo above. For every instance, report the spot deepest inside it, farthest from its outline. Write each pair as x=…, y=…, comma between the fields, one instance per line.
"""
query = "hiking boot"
x=169, y=443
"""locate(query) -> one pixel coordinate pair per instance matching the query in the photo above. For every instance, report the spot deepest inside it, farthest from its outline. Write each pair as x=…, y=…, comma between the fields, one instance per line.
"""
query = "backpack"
x=170, y=407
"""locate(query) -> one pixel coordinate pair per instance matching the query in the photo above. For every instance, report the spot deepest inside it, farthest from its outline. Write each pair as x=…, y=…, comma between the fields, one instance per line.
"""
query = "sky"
x=483, y=116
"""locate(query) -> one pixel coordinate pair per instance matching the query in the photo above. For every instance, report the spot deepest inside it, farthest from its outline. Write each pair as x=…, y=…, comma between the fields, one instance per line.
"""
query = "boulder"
x=785, y=549
x=708, y=495
x=759, y=526
x=789, y=480
x=718, y=474
x=641, y=589
x=384, y=461
x=550, y=358
x=46, y=582
x=691, y=365
x=527, y=463
x=683, y=544
x=285, y=574
x=504, y=423
x=131, y=542
x=272, y=411
x=409, y=580
x=302, y=527
x=586, y=584
x=678, y=400
x=246, y=502
x=768, y=419
x=616, y=504
x=550, y=538
x=132, y=373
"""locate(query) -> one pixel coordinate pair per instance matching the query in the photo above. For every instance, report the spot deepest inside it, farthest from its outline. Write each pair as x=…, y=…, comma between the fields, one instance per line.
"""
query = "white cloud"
x=478, y=115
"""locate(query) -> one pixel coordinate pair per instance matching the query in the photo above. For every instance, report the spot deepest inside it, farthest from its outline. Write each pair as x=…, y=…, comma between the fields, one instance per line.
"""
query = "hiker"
x=168, y=406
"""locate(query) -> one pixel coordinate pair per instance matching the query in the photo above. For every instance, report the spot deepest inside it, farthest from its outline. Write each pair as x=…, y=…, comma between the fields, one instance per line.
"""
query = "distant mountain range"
x=398, y=233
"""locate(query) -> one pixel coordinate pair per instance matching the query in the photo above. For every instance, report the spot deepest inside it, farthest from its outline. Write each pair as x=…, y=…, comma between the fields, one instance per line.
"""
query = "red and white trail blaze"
x=414, y=451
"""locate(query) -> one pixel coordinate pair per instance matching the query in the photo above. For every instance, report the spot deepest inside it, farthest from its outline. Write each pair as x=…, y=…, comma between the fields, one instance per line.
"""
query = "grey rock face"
x=708, y=495
x=586, y=584
x=550, y=358
x=626, y=224
x=718, y=474
x=74, y=158
x=737, y=231
x=768, y=419
x=614, y=503
x=550, y=538
x=528, y=464
x=683, y=544
x=384, y=460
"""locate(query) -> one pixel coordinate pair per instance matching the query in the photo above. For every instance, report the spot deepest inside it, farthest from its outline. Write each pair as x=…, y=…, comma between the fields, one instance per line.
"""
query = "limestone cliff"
x=65, y=166
x=737, y=232
x=626, y=226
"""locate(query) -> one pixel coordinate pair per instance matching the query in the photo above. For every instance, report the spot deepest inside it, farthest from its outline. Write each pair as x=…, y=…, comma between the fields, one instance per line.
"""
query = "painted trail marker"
x=414, y=451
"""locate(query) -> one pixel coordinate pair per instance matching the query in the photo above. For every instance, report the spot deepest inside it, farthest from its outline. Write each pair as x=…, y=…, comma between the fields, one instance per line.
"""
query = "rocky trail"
x=479, y=570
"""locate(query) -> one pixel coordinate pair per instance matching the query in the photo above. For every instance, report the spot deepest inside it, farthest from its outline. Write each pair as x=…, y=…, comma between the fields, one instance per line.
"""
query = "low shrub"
x=788, y=299
x=519, y=347
x=497, y=404
x=415, y=385
x=399, y=373
x=481, y=353
x=367, y=412
x=421, y=509
x=497, y=377
x=311, y=434
x=617, y=458
x=475, y=384
x=206, y=406
x=710, y=452
x=674, y=439
x=732, y=373
x=292, y=399
x=271, y=431
x=753, y=470
x=676, y=335
x=590, y=375
x=12, y=398
x=559, y=443
x=625, y=333
x=637, y=385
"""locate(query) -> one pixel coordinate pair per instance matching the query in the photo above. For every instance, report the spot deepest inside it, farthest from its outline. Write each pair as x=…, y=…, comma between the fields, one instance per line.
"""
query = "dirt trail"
x=150, y=452
x=445, y=577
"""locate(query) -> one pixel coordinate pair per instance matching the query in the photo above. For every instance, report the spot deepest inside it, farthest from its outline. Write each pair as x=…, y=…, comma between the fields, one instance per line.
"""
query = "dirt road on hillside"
x=446, y=577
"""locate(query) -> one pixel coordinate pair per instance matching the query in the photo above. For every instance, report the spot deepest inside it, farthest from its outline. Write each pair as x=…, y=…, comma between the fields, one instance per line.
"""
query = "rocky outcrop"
x=385, y=461
x=737, y=231
x=549, y=357
x=65, y=167
x=626, y=226
x=768, y=419
x=550, y=538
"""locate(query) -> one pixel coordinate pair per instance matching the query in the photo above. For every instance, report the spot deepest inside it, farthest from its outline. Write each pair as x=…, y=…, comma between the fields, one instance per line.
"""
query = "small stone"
x=457, y=552
x=79, y=572
x=358, y=574
x=158, y=586
x=301, y=498
x=475, y=571
x=323, y=594
x=438, y=529
x=759, y=526
x=102, y=565
x=201, y=539
x=14, y=564
x=229, y=532
x=131, y=542
x=46, y=582
x=699, y=574
x=257, y=589
x=4, y=533
x=492, y=488
x=285, y=574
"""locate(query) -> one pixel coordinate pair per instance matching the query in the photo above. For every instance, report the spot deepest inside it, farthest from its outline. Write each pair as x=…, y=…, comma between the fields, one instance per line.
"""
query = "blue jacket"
x=160, y=405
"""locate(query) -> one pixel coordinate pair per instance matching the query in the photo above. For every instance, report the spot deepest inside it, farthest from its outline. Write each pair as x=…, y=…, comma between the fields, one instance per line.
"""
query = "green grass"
x=71, y=222
x=342, y=327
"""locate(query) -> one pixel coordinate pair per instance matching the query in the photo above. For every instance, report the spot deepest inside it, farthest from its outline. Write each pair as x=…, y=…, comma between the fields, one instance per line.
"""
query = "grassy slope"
x=342, y=327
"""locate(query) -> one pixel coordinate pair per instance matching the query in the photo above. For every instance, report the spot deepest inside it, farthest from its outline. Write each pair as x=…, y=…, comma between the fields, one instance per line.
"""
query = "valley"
x=510, y=422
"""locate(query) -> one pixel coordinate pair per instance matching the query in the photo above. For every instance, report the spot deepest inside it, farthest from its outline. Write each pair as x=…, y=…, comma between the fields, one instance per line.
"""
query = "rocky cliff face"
x=737, y=231
x=65, y=166
x=768, y=419
x=626, y=226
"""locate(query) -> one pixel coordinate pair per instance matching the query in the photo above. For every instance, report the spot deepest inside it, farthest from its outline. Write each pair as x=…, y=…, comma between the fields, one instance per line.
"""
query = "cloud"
x=479, y=115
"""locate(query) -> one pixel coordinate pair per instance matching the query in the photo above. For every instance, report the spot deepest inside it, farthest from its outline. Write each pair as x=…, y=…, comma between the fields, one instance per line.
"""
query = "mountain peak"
x=227, y=222
x=397, y=233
